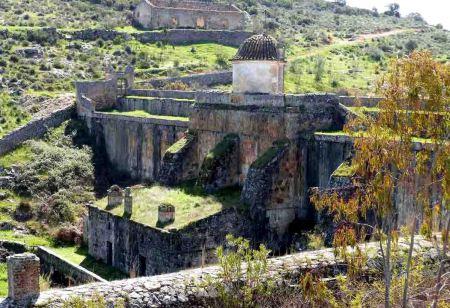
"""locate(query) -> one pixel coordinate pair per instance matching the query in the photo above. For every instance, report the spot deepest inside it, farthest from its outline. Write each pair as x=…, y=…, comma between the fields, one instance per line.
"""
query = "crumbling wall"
x=152, y=14
x=34, y=129
x=179, y=163
x=221, y=166
x=163, y=251
x=102, y=92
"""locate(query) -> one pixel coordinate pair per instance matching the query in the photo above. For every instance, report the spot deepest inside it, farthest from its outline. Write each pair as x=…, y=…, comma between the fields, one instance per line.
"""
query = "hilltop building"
x=158, y=14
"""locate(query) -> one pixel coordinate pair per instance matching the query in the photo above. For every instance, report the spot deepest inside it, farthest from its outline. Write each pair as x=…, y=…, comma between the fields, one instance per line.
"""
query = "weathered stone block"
x=166, y=214
x=23, y=277
x=115, y=196
x=128, y=202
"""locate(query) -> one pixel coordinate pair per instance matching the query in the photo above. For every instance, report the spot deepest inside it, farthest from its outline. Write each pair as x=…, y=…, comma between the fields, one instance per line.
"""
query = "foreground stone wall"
x=140, y=250
x=181, y=289
x=34, y=129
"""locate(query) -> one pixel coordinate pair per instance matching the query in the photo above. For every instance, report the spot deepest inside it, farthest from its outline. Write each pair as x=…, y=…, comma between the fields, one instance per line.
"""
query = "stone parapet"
x=34, y=129
x=181, y=289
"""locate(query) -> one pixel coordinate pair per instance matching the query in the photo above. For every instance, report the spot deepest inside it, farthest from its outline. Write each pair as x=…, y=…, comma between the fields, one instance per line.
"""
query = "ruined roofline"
x=199, y=6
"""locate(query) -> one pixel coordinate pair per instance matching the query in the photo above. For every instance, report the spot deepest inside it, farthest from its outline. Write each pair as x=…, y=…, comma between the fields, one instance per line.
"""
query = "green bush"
x=244, y=278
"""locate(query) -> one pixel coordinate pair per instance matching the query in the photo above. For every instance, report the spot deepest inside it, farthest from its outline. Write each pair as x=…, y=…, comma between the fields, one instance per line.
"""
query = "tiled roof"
x=258, y=47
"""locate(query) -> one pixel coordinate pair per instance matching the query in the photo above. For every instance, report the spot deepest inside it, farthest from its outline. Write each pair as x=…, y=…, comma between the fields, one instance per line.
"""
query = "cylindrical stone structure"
x=23, y=277
x=128, y=202
x=166, y=213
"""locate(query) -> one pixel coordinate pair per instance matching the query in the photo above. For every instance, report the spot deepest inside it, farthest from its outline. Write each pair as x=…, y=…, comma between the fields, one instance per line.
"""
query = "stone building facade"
x=156, y=14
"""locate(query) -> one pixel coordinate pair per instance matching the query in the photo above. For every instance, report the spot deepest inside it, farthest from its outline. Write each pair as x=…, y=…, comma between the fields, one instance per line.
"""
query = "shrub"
x=69, y=234
x=238, y=285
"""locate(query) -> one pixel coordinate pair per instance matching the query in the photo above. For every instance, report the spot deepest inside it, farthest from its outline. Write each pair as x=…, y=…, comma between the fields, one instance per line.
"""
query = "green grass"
x=3, y=280
x=190, y=204
x=11, y=115
x=19, y=156
x=344, y=170
x=144, y=114
x=28, y=239
x=180, y=144
x=335, y=133
x=79, y=256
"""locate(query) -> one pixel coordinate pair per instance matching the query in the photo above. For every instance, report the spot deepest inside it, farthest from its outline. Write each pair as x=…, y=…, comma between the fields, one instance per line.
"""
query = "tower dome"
x=258, y=66
x=260, y=47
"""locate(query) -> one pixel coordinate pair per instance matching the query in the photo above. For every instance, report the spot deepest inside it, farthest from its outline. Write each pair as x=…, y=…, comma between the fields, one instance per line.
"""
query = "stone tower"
x=258, y=66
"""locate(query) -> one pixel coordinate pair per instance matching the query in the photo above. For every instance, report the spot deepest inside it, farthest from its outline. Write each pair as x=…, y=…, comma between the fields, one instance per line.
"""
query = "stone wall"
x=156, y=14
x=171, y=36
x=174, y=107
x=221, y=166
x=260, y=120
x=64, y=271
x=179, y=163
x=143, y=250
x=202, y=80
x=102, y=93
x=162, y=93
x=34, y=129
x=181, y=289
x=135, y=146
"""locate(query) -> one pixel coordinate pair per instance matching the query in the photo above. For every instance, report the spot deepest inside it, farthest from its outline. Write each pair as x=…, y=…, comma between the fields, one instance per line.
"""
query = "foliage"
x=243, y=278
x=96, y=301
x=415, y=93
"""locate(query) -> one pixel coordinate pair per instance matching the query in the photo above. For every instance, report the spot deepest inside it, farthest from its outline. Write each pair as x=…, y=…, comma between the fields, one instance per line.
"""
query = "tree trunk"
x=441, y=266
x=387, y=269
x=408, y=263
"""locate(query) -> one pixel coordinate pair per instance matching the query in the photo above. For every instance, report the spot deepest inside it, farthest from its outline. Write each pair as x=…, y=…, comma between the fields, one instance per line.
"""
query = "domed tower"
x=258, y=66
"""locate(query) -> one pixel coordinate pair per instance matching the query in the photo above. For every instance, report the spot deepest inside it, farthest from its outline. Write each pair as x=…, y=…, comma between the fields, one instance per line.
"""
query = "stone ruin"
x=23, y=277
x=156, y=14
x=128, y=202
x=166, y=214
x=275, y=146
x=115, y=196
